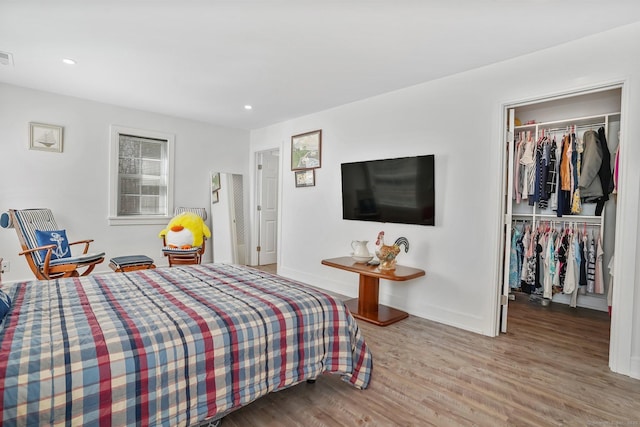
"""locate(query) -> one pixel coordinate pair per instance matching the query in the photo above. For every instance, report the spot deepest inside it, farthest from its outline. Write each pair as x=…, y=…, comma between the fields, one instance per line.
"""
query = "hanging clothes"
x=599, y=273
x=527, y=162
x=570, y=279
x=542, y=172
x=515, y=262
x=583, y=259
x=563, y=256
x=576, y=158
x=589, y=181
x=606, y=179
x=524, y=272
x=564, y=178
x=615, y=171
x=550, y=266
x=591, y=266
x=552, y=176
x=565, y=164
x=517, y=171
x=529, y=265
x=610, y=291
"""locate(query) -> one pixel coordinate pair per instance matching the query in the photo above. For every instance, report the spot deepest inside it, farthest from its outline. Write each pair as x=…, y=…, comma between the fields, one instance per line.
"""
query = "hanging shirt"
x=599, y=274
x=591, y=266
x=552, y=175
x=550, y=267
x=565, y=164
x=515, y=261
x=527, y=161
x=524, y=272
x=517, y=172
x=576, y=203
x=570, y=279
x=583, y=260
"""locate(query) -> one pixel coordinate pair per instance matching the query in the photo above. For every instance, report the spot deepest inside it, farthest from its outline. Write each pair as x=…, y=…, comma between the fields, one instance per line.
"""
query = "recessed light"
x=69, y=61
x=248, y=107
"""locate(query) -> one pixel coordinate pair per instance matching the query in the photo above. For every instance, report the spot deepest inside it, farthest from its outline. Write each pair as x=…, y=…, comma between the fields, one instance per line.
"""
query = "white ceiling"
x=204, y=60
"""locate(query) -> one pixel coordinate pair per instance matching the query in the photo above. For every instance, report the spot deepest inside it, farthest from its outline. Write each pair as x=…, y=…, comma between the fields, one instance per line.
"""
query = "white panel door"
x=506, y=227
x=268, y=208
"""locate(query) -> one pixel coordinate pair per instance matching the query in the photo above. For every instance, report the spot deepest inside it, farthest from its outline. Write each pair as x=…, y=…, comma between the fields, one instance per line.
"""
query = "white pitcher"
x=360, y=248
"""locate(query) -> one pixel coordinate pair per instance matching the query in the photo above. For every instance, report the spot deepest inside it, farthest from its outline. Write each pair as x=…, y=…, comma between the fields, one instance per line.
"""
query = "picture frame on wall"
x=306, y=178
x=215, y=181
x=306, y=150
x=45, y=137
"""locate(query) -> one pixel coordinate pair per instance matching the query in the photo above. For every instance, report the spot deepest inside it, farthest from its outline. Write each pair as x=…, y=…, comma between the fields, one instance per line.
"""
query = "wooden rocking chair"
x=44, y=245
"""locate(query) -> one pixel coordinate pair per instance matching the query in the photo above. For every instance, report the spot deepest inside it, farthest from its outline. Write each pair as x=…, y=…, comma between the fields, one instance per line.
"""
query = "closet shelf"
x=590, y=219
x=578, y=121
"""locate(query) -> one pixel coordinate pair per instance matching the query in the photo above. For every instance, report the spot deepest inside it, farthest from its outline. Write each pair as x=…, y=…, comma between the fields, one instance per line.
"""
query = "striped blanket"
x=170, y=346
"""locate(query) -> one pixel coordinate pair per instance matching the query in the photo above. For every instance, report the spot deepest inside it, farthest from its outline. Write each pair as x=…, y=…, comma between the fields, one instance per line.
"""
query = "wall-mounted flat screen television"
x=397, y=190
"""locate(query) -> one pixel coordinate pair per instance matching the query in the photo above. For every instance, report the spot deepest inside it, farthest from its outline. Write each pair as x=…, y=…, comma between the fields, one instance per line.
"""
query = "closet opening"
x=559, y=207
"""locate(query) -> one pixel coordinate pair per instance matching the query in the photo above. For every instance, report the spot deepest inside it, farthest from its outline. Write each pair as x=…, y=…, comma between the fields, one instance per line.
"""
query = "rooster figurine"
x=387, y=253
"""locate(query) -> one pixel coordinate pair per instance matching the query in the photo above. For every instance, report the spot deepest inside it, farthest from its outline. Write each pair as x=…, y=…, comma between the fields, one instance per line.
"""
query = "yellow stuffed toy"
x=186, y=230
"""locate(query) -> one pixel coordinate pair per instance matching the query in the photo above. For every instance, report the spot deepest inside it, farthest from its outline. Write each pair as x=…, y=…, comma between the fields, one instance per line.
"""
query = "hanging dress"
x=550, y=267
x=599, y=273
x=576, y=202
x=570, y=280
x=528, y=163
x=515, y=259
x=591, y=266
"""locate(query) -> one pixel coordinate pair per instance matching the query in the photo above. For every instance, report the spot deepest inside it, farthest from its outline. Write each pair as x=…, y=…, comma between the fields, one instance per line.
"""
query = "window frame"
x=114, y=193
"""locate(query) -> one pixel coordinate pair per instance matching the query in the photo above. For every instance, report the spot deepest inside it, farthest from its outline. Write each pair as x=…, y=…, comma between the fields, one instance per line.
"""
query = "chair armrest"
x=48, y=248
x=86, y=244
x=47, y=258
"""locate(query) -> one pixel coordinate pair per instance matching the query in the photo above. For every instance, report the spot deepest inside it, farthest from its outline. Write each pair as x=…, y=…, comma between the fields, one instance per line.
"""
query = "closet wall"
x=553, y=119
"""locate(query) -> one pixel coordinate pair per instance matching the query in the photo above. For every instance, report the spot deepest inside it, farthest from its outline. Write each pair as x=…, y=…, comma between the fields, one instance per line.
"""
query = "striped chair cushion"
x=30, y=220
x=202, y=212
x=169, y=250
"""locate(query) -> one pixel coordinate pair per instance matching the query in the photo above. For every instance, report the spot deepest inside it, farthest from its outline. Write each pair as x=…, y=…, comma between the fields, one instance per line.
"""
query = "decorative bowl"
x=361, y=259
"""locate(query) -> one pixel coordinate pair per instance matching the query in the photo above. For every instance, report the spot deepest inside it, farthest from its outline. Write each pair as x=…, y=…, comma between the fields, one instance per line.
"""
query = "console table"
x=366, y=306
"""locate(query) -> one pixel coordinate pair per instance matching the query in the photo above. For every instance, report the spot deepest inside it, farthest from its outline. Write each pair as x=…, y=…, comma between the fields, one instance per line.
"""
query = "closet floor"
x=560, y=322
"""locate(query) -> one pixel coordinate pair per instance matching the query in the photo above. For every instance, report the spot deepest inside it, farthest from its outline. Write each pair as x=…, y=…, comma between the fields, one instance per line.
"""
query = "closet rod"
x=565, y=128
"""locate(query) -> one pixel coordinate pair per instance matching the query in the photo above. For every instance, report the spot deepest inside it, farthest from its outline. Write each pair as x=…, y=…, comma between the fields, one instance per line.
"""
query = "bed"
x=170, y=346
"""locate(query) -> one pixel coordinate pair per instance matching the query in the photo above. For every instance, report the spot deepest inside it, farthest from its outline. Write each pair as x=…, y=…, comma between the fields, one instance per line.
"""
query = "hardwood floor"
x=550, y=369
x=269, y=268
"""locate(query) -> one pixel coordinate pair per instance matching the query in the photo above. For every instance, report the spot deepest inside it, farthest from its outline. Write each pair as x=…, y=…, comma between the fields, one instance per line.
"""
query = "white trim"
x=139, y=220
x=626, y=253
x=115, y=131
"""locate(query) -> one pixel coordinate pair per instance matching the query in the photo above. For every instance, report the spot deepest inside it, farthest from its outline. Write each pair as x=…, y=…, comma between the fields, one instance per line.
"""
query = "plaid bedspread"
x=171, y=346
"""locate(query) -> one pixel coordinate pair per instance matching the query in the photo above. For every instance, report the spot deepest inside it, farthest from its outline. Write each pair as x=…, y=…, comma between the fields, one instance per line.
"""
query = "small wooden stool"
x=123, y=264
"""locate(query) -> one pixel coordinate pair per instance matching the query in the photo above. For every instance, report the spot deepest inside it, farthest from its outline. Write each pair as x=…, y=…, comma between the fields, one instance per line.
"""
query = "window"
x=141, y=176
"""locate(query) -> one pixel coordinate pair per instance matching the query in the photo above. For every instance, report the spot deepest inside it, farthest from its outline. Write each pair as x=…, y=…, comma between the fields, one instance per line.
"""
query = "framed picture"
x=45, y=137
x=306, y=178
x=214, y=197
x=306, y=150
x=215, y=181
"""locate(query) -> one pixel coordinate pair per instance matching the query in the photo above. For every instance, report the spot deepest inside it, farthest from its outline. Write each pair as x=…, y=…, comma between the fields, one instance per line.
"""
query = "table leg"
x=368, y=295
x=367, y=308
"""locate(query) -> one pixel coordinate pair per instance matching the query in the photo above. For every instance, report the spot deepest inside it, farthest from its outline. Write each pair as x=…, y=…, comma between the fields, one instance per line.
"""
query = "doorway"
x=268, y=164
x=555, y=118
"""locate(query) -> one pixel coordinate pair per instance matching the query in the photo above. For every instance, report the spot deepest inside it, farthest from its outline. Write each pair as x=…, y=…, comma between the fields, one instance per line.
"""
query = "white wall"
x=75, y=183
x=221, y=221
x=459, y=119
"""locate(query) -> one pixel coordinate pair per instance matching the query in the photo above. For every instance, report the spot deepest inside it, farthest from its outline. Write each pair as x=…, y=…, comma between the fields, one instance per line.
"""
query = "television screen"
x=391, y=190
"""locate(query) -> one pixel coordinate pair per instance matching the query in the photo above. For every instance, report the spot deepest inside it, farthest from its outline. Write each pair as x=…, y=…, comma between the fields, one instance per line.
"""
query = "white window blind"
x=141, y=179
